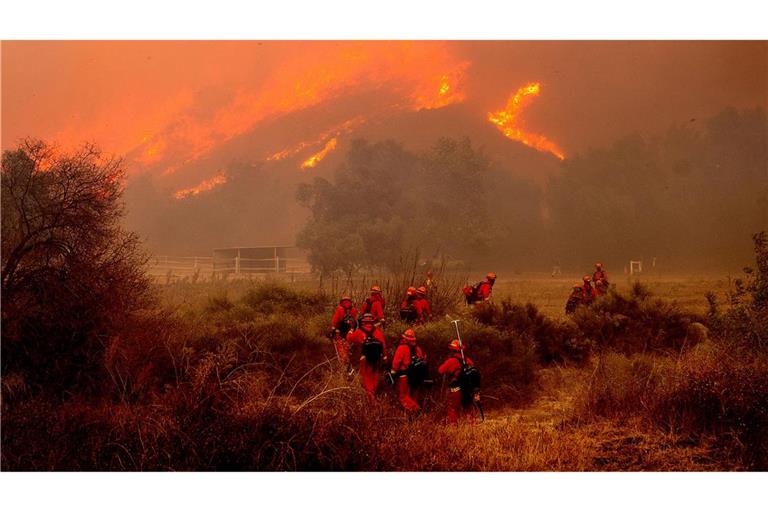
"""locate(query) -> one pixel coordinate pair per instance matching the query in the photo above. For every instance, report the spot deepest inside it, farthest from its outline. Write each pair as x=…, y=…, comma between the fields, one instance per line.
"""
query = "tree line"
x=689, y=198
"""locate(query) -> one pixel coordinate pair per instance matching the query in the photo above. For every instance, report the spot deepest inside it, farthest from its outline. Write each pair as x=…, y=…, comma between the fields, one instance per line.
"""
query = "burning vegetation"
x=509, y=121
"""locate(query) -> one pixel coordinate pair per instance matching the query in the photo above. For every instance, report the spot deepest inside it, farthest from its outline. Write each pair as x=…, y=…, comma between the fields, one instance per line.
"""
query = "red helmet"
x=491, y=276
x=375, y=289
x=599, y=265
x=368, y=319
x=422, y=290
x=409, y=335
x=346, y=297
x=587, y=279
x=455, y=345
x=429, y=273
x=577, y=285
x=410, y=291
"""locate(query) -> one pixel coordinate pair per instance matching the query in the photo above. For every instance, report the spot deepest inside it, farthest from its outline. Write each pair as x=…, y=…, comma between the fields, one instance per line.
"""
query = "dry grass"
x=226, y=377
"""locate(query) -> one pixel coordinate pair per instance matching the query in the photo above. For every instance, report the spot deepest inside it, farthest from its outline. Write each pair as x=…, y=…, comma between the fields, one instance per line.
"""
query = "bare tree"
x=69, y=270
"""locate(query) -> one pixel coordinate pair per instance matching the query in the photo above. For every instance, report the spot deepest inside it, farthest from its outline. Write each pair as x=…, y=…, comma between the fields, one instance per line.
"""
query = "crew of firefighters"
x=585, y=292
x=360, y=330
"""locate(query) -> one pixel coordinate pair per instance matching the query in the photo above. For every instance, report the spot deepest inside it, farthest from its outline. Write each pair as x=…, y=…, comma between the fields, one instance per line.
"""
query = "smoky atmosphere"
x=385, y=255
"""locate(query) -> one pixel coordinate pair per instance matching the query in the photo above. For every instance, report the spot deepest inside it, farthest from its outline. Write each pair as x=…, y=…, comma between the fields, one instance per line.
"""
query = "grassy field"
x=238, y=374
x=549, y=293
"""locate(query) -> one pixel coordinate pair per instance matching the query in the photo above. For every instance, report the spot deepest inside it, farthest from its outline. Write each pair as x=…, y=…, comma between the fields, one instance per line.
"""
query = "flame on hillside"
x=509, y=123
x=203, y=186
x=345, y=127
x=315, y=159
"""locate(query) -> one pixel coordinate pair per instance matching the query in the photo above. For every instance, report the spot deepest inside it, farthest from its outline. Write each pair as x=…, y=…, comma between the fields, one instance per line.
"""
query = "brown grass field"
x=238, y=375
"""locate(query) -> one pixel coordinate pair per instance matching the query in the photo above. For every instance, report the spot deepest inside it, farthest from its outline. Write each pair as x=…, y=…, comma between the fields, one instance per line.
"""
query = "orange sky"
x=168, y=103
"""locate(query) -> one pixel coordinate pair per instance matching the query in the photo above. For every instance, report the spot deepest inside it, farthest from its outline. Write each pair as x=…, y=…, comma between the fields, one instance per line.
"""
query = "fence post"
x=237, y=263
x=277, y=264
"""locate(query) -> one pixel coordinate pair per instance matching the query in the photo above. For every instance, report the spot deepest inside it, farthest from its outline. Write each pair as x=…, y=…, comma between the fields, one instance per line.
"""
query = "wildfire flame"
x=509, y=123
x=345, y=127
x=315, y=159
x=203, y=186
x=444, y=93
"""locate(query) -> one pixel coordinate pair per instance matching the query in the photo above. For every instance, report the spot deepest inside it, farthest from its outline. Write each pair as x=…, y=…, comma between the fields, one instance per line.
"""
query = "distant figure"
x=575, y=299
x=374, y=305
x=600, y=278
x=429, y=283
x=588, y=293
x=423, y=309
x=480, y=292
x=408, y=311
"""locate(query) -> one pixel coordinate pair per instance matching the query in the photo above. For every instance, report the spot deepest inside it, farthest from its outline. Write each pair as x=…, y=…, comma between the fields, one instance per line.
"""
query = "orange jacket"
x=402, y=358
x=359, y=336
x=340, y=313
x=373, y=306
x=452, y=367
x=422, y=308
x=484, y=292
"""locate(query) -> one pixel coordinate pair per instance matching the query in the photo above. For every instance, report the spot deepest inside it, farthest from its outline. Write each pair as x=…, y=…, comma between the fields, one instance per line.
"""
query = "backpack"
x=408, y=310
x=417, y=372
x=372, y=349
x=347, y=323
x=471, y=292
x=468, y=382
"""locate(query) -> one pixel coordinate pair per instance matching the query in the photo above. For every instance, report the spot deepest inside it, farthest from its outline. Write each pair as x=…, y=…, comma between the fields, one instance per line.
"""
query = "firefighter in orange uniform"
x=373, y=348
x=588, y=292
x=600, y=278
x=344, y=320
x=423, y=310
x=374, y=305
x=484, y=292
x=406, y=352
x=451, y=369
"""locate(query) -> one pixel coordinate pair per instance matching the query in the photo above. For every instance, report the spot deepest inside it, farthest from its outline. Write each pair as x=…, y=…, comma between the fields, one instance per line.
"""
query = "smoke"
x=194, y=117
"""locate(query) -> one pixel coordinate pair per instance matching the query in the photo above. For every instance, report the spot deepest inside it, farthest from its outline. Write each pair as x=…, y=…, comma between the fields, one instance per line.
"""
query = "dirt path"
x=612, y=445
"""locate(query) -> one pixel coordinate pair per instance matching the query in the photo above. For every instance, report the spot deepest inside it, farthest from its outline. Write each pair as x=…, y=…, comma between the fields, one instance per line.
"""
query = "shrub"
x=555, y=341
x=705, y=392
x=271, y=298
x=635, y=323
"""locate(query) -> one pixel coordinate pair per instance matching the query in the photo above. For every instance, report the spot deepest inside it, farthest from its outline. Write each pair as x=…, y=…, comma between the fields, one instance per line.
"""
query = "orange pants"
x=404, y=395
x=342, y=350
x=369, y=377
x=456, y=409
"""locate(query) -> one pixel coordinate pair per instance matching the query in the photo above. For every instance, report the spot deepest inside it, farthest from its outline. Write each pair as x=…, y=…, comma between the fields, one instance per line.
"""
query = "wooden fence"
x=175, y=267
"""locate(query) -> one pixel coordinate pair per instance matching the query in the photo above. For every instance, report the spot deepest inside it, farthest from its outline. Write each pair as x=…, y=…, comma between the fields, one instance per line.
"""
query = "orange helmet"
x=375, y=289
x=409, y=335
x=422, y=290
x=455, y=345
x=367, y=318
x=577, y=286
x=599, y=266
x=491, y=276
x=587, y=279
x=411, y=290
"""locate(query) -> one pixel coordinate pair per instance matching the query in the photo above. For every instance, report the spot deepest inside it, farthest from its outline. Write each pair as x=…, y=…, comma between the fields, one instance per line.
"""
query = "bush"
x=705, y=392
x=635, y=323
x=273, y=298
x=555, y=341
